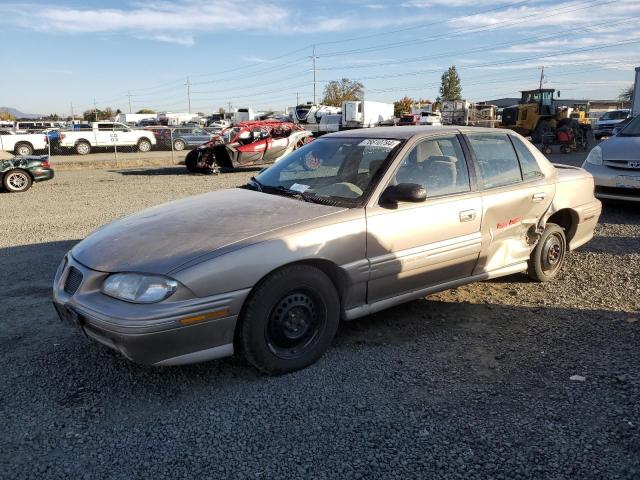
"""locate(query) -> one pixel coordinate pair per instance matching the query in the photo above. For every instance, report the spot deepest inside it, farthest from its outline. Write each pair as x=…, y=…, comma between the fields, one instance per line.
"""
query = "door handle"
x=467, y=215
x=538, y=197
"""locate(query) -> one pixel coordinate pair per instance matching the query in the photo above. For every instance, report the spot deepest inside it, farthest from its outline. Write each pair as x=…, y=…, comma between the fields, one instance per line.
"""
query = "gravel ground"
x=470, y=383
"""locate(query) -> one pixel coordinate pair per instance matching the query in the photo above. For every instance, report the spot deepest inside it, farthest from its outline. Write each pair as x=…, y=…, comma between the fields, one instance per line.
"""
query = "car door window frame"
x=481, y=181
x=396, y=163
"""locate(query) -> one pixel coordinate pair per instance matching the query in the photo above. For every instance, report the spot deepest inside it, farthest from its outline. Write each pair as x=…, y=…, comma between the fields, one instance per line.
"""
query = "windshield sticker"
x=379, y=142
x=298, y=187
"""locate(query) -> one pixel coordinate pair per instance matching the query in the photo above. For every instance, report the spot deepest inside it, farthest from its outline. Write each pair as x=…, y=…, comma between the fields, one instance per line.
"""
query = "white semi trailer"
x=365, y=113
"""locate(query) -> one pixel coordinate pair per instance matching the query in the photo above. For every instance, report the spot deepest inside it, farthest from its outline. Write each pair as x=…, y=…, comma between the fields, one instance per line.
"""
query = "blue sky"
x=257, y=54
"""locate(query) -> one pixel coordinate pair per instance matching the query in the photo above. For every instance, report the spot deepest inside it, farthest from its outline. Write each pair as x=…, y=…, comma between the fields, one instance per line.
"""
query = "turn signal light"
x=206, y=316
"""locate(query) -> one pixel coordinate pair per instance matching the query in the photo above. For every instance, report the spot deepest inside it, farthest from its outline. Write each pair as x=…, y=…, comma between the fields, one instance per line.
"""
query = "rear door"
x=411, y=246
x=515, y=196
x=105, y=135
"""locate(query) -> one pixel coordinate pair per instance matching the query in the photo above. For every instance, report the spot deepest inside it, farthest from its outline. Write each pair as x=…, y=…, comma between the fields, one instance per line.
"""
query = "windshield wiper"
x=254, y=182
x=291, y=193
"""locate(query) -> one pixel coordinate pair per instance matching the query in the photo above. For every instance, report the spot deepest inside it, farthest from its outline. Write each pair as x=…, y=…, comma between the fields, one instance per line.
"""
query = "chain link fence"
x=105, y=144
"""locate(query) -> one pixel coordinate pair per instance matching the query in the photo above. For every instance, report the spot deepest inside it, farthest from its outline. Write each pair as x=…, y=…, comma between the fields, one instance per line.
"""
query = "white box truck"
x=365, y=113
x=243, y=115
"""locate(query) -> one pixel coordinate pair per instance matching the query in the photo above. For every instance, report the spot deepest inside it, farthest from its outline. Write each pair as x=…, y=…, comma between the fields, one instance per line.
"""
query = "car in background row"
x=247, y=144
x=607, y=122
x=615, y=165
x=381, y=216
x=18, y=173
x=22, y=143
x=621, y=125
x=180, y=138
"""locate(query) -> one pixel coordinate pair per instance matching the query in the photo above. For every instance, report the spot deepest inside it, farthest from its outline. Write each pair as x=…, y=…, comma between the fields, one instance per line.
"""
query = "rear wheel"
x=179, y=145
x=83, y=148
x=290, y=320
x=548, y=257
x=16, y=181
x=23, y=149
x=144, y=145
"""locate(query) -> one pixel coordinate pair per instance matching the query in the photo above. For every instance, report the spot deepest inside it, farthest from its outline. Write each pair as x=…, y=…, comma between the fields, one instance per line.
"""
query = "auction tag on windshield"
x=298, y=187
x=379, y=142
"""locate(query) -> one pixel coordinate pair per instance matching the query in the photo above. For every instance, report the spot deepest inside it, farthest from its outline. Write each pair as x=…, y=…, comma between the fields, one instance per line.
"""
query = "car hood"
x=162, y=238
x=621, y=148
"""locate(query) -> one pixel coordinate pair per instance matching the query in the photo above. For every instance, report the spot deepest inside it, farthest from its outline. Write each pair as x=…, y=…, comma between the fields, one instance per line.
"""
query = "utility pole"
x=95, y=109
x=188, y=84
x=313, y=60
x=72, y=118
x=297, y=98
x=541, y=76
x=129, y=95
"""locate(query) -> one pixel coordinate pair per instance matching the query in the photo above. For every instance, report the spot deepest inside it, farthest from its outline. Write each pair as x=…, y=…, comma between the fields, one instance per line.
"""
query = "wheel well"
x=82, y=140
x=329, y=268
x=568, y=220
x=143, y=138
x=23, y=142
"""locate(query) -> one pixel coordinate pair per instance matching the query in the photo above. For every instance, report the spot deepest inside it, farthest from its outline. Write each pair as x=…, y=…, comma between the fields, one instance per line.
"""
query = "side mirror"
x=404, y=192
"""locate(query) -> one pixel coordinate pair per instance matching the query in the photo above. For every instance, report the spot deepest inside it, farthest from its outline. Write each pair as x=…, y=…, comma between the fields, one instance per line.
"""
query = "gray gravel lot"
x=470, y=383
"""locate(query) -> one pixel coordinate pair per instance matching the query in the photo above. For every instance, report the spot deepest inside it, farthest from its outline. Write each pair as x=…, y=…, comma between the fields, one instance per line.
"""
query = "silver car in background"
x=615, y=165
x=345, y=226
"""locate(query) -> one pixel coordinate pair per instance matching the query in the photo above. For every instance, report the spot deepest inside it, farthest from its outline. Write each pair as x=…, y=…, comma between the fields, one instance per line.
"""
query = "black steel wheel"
x=549, y=255
x=289, y=320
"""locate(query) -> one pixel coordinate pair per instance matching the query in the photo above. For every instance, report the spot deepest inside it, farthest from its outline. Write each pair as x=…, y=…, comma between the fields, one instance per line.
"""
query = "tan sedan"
x=350, y=224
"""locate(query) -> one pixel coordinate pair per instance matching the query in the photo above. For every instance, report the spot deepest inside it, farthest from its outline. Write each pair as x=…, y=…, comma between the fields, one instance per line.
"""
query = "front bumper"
x=615, y=183
x=183, y=331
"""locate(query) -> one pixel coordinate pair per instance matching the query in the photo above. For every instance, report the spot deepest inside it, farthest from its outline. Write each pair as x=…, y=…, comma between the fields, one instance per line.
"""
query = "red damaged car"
x=247, y=144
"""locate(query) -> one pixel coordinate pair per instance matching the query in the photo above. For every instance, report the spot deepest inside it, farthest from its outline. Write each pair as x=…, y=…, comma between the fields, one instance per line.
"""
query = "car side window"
x=496, y=159
x=105, y=127
x=528, y=164
x=438, y=165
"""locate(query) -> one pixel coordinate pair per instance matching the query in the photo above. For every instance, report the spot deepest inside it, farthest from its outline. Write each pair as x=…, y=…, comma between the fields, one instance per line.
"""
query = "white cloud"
x=164, y=21
x=550, y=15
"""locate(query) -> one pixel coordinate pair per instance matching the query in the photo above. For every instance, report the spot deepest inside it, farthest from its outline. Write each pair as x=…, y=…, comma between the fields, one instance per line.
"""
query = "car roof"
x=409, y=131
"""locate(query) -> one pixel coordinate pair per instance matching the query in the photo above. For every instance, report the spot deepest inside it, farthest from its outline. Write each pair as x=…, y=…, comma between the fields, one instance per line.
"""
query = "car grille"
x=622, y=164
x=73, y=281
x=631, y=192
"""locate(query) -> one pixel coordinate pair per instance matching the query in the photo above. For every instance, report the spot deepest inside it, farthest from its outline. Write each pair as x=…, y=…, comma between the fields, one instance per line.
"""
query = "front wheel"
x=548, y=257
x=16, y=181
x=290, y=320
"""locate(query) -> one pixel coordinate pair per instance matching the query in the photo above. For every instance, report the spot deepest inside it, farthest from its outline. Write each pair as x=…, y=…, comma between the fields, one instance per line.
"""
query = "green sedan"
x=19, y=173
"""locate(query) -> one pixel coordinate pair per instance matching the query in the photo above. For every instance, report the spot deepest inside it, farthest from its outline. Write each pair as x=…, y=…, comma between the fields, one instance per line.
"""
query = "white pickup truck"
x=22, y=143
x=106, y=134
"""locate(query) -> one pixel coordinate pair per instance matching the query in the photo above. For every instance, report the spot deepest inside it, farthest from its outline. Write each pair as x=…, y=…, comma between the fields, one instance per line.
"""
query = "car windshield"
x=230, y=133
x=337, y=171
x=632, y=129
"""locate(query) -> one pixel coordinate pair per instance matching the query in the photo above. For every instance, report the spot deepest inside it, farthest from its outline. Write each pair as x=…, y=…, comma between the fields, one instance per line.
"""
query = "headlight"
x=595, y=156
x=138, y=288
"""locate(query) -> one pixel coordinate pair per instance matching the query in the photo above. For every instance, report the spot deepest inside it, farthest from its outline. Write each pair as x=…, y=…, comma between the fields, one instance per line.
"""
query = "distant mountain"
x=19, y=114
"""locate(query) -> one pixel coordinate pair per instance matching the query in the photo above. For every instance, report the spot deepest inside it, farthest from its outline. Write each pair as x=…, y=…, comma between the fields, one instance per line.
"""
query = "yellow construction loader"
x=537, y=116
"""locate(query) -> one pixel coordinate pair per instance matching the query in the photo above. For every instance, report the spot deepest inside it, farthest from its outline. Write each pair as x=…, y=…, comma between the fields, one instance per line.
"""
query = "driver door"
x=411, y=246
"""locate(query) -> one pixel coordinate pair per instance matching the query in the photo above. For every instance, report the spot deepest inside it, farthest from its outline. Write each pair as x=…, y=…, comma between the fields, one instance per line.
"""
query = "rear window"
x=496, y=159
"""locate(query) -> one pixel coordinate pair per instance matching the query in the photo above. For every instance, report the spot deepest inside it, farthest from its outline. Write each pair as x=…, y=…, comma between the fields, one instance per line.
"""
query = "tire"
x=179, y=145
x=549, y=255
x=144, y=145
x=16, y=181
x=191, y=162
x=289, y=320
x=23, y=149
x=83, y=148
